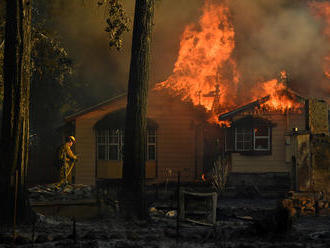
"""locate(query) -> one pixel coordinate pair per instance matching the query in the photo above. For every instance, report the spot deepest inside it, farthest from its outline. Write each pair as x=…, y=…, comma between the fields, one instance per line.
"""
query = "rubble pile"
x=235, y=227
x=51, y=192
x=307, y=204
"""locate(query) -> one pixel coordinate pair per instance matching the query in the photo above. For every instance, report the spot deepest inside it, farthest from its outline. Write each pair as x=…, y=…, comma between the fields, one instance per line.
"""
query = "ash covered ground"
x=241, y=222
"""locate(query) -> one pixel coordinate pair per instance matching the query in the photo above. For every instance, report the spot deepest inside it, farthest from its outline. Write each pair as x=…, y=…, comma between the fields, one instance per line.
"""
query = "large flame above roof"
x=204, y=55
x=206, y=73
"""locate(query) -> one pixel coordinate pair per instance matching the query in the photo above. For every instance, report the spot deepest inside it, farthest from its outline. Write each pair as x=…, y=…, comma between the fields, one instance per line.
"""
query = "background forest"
x=75, y=66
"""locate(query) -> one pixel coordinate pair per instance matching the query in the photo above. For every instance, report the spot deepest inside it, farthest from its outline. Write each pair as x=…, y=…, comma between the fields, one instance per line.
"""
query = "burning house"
x=269, y=126
x=267, y=146
x=173, y=141
x=224, y=97
x=270, y=147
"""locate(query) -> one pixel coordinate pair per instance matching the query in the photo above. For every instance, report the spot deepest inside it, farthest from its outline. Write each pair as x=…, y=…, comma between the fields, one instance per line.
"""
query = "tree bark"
x=132, y=197
x=15, y=121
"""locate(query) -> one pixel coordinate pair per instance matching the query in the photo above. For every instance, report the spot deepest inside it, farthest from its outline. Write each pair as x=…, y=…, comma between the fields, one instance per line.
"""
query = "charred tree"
x=15, y=121
x=132, y=197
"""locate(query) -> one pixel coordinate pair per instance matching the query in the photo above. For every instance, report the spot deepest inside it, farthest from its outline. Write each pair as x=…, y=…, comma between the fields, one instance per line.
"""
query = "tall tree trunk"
x=132, y=198
x=15, y=121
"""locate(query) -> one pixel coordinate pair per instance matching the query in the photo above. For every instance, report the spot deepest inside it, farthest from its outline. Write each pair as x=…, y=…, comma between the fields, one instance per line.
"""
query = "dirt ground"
x=241, y=223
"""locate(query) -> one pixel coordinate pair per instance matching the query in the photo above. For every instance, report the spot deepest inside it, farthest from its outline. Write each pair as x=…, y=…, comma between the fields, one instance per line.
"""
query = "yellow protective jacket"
x=65, y=155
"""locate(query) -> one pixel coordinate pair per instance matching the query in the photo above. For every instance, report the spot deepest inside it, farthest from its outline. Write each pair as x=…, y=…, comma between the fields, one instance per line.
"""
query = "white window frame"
x=249, y=132
x=151, y=143
x=262, y=137
x=253, y=139
x=116, y=133
x=106, y=134
x=102, y=134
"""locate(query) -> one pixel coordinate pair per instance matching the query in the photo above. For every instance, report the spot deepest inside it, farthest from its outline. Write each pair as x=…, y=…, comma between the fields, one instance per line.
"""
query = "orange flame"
x=205, y=50
x=205, y=72
x=214, y=119
x=279, y=98
x=203, y=177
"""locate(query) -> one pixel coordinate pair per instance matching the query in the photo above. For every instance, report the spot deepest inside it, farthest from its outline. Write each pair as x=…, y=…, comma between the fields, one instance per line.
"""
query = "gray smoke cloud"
x=280, y=35
x=270, y=36
x=82, y=23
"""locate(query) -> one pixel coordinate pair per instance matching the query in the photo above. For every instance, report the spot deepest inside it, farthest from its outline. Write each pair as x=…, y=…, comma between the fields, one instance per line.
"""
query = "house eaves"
x=241, y=109
x=257, y=103
x=94, y=107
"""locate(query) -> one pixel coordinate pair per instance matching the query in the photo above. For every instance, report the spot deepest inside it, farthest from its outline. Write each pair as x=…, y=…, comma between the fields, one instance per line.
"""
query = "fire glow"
x=205, y=50
x=206, y=74
x=279, y=98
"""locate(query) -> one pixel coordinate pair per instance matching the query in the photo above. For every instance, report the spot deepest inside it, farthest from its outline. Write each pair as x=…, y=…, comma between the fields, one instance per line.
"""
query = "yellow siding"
x=297, y=120
x=113, y=169
x=278, y=161
x=109, y=169
x=175, y=142
x=178, y=147
x=85, y=146
x=176, y=139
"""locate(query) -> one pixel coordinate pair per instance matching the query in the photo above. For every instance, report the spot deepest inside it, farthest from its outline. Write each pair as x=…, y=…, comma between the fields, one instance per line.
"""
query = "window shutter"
x=229, y=139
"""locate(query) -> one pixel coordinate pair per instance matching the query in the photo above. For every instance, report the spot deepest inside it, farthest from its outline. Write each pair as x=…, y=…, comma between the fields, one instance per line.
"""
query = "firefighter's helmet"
x=71, y=138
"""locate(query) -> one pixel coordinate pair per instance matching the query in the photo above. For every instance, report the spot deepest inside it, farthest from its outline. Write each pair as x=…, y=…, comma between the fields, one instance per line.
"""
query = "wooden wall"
x=277, y=161
x=177, y=143
x=86, y=144
x=109, y=169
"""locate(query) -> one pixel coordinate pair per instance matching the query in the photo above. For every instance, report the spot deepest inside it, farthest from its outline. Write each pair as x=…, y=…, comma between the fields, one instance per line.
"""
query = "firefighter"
x=65, y=160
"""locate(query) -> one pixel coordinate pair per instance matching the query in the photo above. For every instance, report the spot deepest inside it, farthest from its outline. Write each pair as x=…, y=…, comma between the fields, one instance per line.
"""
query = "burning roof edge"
x=256, y=104
x=243, y=108
x=89, y=109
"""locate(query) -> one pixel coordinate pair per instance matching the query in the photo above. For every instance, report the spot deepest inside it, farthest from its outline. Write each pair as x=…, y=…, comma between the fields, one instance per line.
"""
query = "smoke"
x=277, y=35
x=270, y=36
x=81, y=25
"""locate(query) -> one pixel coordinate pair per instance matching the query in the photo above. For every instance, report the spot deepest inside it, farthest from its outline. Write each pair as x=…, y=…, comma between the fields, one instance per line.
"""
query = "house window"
x=261, y=139
x=151, y=144
x=115, y=144
x=243, y=139
x=248, y=140
x=250, y=136
x=252, y=139
x=102, y=143
x=110, y=144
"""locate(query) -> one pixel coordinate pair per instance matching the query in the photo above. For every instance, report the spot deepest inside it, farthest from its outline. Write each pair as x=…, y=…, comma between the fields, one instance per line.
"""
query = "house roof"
x=243, y=108
x=94, y=107
x=117, y=119
x=252, y=121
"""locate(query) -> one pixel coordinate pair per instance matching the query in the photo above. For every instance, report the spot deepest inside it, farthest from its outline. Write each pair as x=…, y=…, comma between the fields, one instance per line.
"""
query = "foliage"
x=51, y=80
x=49, y=56
x=52, y=66
x=117, y=23
x=219, y=174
